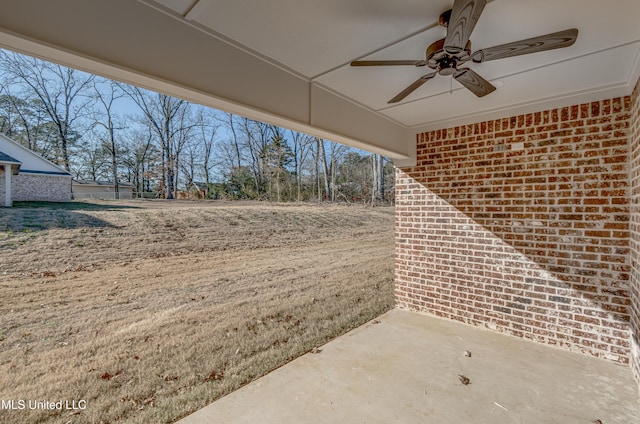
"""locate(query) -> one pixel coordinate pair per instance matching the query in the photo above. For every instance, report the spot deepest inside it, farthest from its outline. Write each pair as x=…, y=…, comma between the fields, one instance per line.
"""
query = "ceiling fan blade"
x=474, y=82
x=388, y=63
x=413, y=87
x=464, y=16
x=552, y=41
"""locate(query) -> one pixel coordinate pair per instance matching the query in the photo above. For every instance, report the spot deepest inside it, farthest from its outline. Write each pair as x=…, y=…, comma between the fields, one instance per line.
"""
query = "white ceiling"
x=287, y=61
x=317, y=40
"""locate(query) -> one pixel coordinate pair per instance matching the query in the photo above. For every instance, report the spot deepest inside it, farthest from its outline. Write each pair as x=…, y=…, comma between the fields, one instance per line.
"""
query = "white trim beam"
x=129, y=41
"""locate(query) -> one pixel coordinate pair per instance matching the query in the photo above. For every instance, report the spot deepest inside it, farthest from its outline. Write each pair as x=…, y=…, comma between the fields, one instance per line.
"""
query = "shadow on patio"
x=405, y=367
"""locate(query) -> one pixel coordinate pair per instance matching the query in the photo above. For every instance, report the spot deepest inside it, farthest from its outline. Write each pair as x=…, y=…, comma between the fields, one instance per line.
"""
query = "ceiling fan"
x=445, y=56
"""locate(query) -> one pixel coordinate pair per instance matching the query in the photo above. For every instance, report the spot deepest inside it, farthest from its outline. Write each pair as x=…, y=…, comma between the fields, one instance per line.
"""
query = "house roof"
x=31, y=162
x=15, y=164
x=288, y=62
x=5, y=158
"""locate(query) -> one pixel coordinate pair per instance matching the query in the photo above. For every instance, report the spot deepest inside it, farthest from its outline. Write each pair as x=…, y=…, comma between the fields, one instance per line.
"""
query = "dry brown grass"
x=151, y=310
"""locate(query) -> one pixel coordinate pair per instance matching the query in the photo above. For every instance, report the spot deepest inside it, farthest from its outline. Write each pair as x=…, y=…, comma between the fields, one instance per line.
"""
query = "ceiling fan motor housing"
x=445, y=63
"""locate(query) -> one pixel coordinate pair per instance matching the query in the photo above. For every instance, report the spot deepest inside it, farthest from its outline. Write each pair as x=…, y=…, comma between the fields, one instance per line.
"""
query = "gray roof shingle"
x=6, y=158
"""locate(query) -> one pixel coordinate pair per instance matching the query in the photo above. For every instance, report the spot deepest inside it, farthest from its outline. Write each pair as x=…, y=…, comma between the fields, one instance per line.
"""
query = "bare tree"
x=207, y=134
x=92, y=161
x=257, y=135
x=301, y=144
x=190, y=163
x=61, y=91
x=166, y=116
x=13, y=117
x=24, y=121
x=184, y=125
x=229, y=119
x=141, y=159
x=106, y=94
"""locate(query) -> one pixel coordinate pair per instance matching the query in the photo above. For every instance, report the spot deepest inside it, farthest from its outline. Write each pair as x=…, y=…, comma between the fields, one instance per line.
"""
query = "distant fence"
x=103, y=196
x=147, y=195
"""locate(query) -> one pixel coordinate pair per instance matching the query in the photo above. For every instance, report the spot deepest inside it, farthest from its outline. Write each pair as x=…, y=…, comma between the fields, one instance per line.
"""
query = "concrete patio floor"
x=404, y=367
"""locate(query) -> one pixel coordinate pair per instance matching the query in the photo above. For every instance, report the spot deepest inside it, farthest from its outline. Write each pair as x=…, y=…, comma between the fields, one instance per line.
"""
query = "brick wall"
x=521, y=225
x=634, y=143
x=31, y=187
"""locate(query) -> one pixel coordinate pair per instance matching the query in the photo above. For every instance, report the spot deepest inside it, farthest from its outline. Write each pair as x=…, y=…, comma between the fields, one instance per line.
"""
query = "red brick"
x=531, y=242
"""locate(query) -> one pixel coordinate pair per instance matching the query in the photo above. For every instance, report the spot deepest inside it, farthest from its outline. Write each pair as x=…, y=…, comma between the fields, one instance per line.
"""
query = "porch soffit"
x=287, y=61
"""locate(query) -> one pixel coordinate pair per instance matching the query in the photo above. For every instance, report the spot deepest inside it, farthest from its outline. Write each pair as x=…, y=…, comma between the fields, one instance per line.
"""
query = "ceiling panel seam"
x=190, y=9
x=221, y=37
x=376, y=50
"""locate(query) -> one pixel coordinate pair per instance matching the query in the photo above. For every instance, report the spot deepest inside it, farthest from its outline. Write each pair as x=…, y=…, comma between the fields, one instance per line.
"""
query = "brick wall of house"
x=634, y=143
x=521, y=225
x=31, y=187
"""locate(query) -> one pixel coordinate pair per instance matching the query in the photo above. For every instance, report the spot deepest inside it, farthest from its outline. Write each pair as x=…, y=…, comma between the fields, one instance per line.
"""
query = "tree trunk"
x=377, y=179
x=235, y=141
x=317, y=163
x=380, y=166
x=114, y=161
x=325, y=168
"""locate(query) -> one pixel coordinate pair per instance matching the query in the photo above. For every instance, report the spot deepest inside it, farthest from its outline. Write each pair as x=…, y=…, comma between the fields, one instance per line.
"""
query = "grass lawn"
x=150, y=310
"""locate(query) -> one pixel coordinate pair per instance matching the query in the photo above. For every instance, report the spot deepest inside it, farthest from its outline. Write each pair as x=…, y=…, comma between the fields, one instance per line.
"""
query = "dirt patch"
x=148, y=311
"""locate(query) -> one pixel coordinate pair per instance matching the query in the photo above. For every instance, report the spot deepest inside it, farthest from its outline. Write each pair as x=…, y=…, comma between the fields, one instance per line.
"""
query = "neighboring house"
x=27, y=176
x=105, y=190
x=195, y=190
